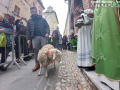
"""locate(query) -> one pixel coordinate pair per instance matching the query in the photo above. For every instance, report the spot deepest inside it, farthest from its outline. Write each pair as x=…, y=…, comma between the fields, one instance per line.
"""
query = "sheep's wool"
x=43, y=57
x=46, y=54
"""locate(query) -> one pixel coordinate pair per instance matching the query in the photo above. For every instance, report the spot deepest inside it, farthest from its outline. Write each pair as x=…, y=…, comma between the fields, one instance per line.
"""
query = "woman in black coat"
x=64, y=42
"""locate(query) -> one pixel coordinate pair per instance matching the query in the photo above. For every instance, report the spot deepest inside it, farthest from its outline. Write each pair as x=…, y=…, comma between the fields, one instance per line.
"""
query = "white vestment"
x=84, y=58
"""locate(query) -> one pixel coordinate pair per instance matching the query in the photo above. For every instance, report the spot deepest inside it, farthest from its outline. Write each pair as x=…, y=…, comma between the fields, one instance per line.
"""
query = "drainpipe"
x=9, y=6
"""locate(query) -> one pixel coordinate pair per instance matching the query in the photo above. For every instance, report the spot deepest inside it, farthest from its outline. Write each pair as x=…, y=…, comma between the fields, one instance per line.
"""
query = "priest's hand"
x=79, y=17
x=91, y=15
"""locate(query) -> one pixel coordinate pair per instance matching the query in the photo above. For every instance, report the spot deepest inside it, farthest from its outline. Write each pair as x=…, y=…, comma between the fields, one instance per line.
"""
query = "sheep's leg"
x=54, y=65
x=46, y=73
x=40, y=70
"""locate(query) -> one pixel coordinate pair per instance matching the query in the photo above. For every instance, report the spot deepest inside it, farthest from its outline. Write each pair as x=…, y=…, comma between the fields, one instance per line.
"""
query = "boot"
x=37, y=66
x=2, y=68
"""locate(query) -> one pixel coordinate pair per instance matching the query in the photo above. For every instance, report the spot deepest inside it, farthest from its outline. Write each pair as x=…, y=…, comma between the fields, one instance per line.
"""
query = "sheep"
x=47, y=55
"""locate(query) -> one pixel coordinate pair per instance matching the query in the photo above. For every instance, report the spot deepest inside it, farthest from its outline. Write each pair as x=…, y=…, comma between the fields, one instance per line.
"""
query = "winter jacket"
x=5, y=23
x=56, y=35
x=20, y=28
x=43, y=27
x=64, y=39
x=72, y=36
x=16, y=23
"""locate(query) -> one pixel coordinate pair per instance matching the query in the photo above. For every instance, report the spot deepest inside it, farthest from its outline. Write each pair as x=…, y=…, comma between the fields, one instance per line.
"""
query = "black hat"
x=12, y=16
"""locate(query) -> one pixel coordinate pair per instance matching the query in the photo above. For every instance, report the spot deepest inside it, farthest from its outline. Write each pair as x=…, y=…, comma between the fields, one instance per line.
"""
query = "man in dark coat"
x=64, y=42
x=38, y=30
x=56, y=35
x=21, y=30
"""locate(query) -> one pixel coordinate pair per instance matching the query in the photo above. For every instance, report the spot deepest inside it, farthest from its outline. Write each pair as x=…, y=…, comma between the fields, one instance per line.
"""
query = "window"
x=17, y=9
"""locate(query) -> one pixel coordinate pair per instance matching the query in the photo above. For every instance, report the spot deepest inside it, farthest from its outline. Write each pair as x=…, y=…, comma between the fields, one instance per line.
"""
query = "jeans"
x=68, y=46
x=56, y=44
x=61, y=46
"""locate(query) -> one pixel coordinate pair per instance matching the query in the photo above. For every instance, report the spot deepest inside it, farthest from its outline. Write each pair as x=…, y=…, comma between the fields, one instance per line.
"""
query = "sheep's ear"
x=59, y=52
x=54, y=56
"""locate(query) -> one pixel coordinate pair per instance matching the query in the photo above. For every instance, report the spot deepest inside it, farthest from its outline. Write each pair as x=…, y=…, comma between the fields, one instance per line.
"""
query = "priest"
x=105, y=49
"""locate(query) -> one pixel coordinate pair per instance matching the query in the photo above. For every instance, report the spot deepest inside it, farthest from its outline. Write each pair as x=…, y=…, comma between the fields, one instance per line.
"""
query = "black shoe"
x=18, y=61
x=26, y=59
x=29, y=57
x=2, y=68
x=90, y=68
x=80, y=67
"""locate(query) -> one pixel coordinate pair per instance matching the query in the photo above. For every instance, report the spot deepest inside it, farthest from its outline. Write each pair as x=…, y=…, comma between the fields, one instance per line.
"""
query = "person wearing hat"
x=6, y=26
x=6, y=21
x=12, y=19
x=6, y=15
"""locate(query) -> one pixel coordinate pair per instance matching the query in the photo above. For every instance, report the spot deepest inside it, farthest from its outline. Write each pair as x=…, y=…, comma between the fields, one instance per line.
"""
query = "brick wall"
x=87, y=4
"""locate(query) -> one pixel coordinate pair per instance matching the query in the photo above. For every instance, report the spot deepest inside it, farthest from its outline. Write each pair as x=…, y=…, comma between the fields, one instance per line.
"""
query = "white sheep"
x=47, y=55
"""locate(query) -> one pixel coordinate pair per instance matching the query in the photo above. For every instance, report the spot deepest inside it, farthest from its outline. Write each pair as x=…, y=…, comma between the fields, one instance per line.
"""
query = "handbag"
x=2, y=40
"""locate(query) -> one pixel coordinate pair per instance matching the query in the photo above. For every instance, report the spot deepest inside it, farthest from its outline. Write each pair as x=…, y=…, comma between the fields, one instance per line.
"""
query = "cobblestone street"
x=70, y=77
x=59, y=45
x=66, y=76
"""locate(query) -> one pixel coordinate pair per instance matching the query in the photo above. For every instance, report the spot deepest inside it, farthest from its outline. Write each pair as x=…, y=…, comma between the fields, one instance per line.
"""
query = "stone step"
x=93, y=77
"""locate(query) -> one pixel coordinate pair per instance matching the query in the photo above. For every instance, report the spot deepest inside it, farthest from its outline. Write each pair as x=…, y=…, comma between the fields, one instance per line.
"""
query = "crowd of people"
x=6, y=24
x=36, y=34
x=61, y=42
x=9, y=24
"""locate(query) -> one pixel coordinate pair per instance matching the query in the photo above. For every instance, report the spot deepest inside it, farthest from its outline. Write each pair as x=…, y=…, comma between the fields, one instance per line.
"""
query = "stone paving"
x=60, y=79
x=66, y=79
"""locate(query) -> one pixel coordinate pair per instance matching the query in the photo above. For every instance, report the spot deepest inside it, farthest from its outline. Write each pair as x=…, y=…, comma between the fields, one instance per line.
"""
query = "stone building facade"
x=21, y=8
x=51, y=17
x=4, y=5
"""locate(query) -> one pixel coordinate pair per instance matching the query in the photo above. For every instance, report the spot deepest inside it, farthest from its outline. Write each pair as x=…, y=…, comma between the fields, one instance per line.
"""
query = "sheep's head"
x=55, y=54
